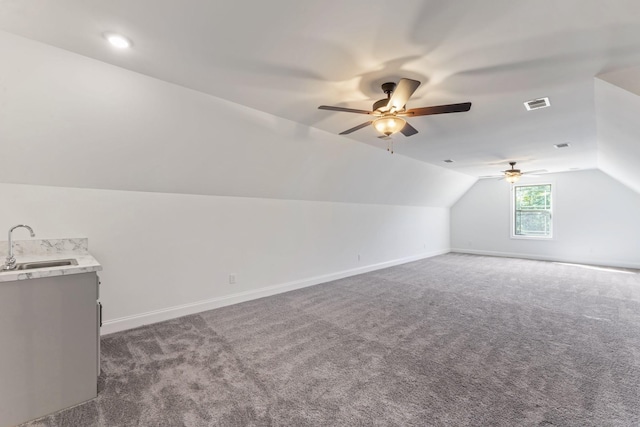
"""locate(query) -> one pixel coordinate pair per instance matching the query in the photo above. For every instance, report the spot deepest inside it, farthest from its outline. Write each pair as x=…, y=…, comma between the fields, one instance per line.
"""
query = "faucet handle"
x=10, y=263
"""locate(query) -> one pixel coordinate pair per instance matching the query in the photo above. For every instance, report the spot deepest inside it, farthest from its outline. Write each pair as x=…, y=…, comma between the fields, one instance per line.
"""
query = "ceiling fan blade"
x=353, y=129
x=408, y=130
x=439, y=109
x=402, y=93
x=345, y=110
x=535, y=171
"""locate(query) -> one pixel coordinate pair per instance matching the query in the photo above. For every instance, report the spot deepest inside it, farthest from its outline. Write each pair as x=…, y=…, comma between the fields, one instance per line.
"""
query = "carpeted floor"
x=454, y=340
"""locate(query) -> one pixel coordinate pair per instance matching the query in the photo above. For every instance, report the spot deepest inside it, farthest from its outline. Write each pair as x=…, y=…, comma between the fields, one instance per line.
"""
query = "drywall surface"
x=167, y=255
x=177, y=190
x=595, y=220
x=618, y=128
x=70, y=121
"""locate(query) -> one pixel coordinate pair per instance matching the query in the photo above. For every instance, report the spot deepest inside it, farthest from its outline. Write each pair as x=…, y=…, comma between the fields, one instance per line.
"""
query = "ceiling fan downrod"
x=382, y=104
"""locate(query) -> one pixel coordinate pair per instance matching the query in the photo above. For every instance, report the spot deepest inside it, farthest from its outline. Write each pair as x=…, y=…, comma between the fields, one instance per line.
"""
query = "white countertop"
x=49, y=250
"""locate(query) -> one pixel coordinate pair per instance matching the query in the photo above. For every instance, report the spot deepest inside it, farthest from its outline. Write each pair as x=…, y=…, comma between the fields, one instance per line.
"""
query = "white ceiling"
x=286, y=57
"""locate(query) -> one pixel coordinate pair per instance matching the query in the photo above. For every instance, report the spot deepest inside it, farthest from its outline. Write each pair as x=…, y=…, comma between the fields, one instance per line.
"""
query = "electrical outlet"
x=232, y=279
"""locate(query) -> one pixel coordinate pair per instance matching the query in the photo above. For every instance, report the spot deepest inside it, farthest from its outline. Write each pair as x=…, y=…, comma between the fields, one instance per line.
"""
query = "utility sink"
x=45, y=264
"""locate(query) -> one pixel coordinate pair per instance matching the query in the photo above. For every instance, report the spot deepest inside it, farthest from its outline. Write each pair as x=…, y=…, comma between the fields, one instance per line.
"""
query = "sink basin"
x=45, y=264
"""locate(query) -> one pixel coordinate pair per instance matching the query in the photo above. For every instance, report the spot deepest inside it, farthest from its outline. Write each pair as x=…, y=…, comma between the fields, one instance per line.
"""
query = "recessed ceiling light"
x=563, y=145
x=536, y=104
x=117, y=40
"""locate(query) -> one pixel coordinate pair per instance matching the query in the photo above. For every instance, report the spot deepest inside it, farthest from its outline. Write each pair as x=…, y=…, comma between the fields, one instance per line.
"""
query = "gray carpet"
x=454, y=340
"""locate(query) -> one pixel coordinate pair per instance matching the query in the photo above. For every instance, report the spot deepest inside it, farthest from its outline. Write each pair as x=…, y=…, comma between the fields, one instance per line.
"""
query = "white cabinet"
x=49, y=345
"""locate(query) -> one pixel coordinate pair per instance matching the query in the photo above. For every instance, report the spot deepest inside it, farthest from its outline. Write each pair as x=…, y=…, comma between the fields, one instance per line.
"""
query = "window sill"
x=532, y=237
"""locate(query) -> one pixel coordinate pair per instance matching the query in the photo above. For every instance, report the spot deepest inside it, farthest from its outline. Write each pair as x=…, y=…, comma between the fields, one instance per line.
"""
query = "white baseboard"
x=136, y=320
x=587, y=261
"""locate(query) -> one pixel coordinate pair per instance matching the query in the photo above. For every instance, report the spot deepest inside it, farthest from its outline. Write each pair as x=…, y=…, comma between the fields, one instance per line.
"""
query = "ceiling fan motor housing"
x=380, y=104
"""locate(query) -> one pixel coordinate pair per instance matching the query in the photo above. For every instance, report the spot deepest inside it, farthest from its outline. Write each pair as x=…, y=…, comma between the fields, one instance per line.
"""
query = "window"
x=532, y=211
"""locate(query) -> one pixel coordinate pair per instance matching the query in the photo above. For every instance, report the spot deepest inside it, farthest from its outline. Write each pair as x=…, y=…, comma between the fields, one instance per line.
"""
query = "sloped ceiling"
x=286, y=57
x=618, y=109
x=71, y=121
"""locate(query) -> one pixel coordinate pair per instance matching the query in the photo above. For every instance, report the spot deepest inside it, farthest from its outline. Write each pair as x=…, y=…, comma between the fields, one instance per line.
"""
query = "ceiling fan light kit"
x=512, y=177
x=390, y=110
x=389, y=125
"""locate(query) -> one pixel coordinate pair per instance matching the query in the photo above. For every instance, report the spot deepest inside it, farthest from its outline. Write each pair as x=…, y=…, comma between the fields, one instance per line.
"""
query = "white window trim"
x=512, y=224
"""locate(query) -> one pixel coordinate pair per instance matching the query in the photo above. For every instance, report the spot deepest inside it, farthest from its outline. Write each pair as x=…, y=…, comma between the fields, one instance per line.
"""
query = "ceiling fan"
x=389, y=111
x=513, y=175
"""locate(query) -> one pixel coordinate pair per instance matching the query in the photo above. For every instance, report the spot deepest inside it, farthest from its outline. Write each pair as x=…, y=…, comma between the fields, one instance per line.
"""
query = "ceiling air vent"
x=536, y=104
x=563, y=145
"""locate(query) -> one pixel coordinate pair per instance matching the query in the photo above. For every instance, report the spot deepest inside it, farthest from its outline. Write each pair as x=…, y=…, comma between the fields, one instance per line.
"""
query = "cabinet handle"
x=100, y=305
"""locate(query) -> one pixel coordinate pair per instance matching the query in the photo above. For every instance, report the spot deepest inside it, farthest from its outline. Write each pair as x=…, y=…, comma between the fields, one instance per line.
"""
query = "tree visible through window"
x=532, y=210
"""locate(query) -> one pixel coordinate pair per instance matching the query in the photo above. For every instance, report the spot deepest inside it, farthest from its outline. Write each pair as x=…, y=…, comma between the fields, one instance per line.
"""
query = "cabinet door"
x=48, y=356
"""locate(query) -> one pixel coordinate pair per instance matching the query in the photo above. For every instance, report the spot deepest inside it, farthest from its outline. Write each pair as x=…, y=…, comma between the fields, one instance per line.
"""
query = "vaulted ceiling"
x=286, y=57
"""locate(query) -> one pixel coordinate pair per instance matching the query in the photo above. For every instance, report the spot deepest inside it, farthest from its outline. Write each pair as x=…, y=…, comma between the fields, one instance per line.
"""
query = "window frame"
x=512, y=225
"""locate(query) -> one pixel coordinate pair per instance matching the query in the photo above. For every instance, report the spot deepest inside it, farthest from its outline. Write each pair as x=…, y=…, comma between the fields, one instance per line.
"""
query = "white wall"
x=70, y=121
x=166, y=255
x=618, y=128
x=176, y=189
x=596, y=221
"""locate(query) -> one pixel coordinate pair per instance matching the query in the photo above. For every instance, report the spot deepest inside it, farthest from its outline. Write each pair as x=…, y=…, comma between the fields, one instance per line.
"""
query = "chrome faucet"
x=10, y=263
